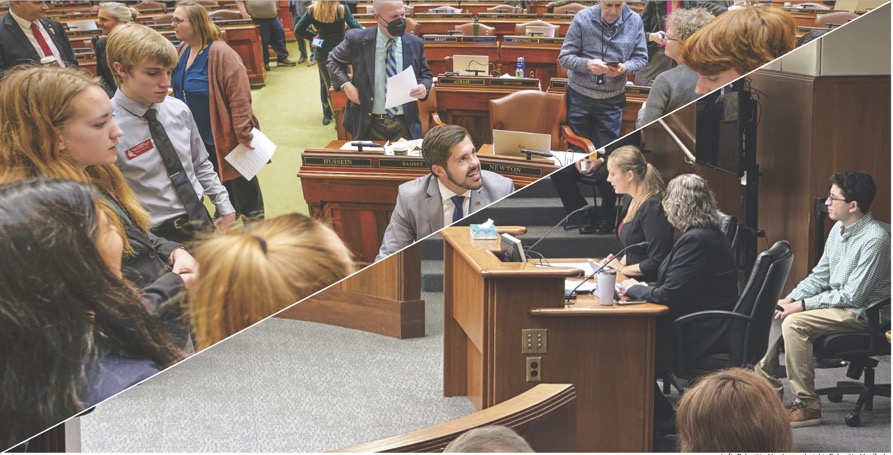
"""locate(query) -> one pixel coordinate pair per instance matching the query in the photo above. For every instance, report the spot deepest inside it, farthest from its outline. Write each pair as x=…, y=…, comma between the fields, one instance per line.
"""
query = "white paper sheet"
x=399, y=87
x=588, y=286
x=249, y=161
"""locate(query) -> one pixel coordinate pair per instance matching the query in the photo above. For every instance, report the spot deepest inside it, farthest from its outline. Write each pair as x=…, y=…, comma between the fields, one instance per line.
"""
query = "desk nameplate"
x=514, y=169
x=337, y=161
x=402, y=163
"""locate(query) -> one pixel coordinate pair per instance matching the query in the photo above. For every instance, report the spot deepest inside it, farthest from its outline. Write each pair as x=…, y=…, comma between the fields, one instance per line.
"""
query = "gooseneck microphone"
x=529, y=152
x=573, y=294
x=585, y=208
x=360, y=144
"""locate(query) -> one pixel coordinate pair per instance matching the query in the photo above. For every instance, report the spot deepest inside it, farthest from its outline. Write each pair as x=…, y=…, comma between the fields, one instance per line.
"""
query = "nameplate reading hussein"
x=512, y=169
x=338, y=162
x=389, y=163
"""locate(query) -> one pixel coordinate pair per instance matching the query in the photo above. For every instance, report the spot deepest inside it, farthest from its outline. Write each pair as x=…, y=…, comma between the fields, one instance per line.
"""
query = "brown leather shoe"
x=802, y=417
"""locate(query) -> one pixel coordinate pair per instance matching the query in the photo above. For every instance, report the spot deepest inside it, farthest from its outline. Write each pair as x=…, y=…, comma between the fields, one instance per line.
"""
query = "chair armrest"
x=873, y=311
x=681, y=322
x=435, y=117
x=581, y=142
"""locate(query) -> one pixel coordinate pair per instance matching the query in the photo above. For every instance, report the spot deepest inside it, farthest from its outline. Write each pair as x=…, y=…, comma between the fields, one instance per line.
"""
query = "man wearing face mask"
x=376, y=54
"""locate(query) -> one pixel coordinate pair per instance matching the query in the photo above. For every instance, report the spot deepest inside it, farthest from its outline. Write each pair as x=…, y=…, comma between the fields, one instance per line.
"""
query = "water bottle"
x=519, y=68
x=475, y=26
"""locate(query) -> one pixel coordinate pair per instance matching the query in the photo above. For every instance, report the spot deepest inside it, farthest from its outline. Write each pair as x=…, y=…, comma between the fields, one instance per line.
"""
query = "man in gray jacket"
x=455, y=187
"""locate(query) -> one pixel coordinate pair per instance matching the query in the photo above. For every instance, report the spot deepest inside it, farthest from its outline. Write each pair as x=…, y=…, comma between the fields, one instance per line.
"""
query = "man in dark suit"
x=456, y=187
x=27, y=36
x=376, y=54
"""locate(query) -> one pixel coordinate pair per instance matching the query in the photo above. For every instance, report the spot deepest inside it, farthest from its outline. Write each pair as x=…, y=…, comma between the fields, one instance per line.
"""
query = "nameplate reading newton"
x=512, y=169
x=637, y=90
x=390, y=163
x=553, y=41
x=339, y=162
x=506, y=82
x=461, y=81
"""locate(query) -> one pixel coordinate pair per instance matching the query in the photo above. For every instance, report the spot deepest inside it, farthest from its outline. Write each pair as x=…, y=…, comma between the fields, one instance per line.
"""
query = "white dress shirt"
x=144, y=169
x=26, y=28
x=448, y=207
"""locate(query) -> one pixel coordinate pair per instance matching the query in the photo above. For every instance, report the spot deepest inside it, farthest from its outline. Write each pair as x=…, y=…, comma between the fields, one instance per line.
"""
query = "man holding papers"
x=377, y=55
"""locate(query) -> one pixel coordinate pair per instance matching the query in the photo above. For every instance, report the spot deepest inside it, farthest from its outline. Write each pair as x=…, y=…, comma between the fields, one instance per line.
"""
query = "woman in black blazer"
x=699, y=273
x=641, y=216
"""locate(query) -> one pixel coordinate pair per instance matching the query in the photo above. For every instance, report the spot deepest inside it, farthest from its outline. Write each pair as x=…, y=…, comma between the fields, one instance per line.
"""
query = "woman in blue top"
x=212, y=80
x=73, y=332
x=330, y=19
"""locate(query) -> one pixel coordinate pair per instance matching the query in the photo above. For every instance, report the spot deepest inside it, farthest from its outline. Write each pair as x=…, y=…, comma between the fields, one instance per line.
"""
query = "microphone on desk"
x=529, y=152
x=573, y=294
x=360, y=144
x=585, y=208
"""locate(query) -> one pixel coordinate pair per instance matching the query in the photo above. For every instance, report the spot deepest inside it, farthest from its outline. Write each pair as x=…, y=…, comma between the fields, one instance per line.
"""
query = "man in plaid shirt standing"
x=853, y=272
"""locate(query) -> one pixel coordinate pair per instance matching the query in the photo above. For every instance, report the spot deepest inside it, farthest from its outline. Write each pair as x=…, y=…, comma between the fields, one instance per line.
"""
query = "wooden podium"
x=606, y=352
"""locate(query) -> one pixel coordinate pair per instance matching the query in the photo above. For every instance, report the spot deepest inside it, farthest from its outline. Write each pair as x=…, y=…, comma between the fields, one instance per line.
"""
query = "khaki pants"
x=799, y=330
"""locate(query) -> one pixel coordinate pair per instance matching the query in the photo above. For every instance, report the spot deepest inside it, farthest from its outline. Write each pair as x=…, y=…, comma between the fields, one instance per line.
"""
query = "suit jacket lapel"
x=57, y=40
x=476, y=200
x=434, y=205
x=369, y=51
x=407, y=52
x=19, y=35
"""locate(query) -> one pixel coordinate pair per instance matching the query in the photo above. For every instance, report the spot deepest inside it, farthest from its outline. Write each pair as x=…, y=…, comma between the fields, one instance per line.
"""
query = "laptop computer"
x=463, y=63
x=543, y=31
x=511, y=142
x=84, y=25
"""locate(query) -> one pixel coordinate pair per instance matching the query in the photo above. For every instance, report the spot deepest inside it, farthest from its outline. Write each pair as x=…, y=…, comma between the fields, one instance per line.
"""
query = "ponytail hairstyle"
x=630, y=159
x=250, y=275
x=326, y=11
x=121, y=12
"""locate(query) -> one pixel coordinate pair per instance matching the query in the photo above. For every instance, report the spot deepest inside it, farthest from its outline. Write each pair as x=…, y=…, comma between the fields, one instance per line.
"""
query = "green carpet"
x=290, y=113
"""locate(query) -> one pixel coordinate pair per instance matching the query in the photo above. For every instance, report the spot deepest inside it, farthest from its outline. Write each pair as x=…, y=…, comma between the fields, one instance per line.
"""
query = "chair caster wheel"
x=835, y=397
x=853, y=420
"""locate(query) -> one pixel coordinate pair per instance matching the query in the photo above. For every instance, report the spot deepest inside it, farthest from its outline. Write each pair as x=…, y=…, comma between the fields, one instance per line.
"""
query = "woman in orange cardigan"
x=212, y=80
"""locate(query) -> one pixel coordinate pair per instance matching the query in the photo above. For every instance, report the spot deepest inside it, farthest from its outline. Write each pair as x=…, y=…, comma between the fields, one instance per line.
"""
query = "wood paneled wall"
x=810, y=127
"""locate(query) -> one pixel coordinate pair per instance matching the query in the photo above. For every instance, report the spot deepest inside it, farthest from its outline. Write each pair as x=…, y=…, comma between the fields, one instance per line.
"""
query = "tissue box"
x=479, y=232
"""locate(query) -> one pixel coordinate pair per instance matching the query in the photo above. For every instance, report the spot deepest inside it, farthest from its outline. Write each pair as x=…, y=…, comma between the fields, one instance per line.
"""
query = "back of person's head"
x=60, y=304
x=810, y=36
x=489, y=439
x=856, y=186
x=201, y=22
x=36, y=105
x=438, y=142
x=742, y=40
x=733, y=410
x=135, y=44
x=121, y=12
x=689, y=202
x=326, y=11
x=686, y=21
x=250, y=274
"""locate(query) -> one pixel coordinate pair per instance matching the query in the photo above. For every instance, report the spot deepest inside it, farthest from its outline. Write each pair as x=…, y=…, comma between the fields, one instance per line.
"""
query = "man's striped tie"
x=391, y=71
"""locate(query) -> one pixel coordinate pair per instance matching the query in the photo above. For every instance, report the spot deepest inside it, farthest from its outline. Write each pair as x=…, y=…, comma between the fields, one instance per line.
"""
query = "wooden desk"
x=540, y=56
x=606, y=352
x=439, y=50
x=355, y=193
x=465, y=101
x=444, y=23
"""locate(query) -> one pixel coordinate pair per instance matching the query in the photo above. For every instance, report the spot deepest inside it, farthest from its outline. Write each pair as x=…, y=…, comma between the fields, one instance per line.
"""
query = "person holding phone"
x=330, y=19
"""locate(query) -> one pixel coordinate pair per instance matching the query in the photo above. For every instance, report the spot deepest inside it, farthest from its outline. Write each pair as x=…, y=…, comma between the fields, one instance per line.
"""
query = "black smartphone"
x=613, y=64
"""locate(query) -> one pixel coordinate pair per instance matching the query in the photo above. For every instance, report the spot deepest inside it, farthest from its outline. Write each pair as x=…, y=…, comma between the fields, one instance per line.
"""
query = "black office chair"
x=859, y=349
x=747, y=326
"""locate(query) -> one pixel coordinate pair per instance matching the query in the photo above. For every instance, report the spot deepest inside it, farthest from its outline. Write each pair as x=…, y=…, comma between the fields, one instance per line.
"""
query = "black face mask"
x=397, y=27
